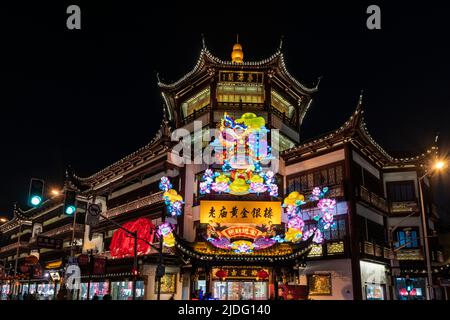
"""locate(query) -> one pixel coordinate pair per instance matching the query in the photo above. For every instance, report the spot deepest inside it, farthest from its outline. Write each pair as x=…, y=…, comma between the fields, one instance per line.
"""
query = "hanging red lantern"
x=413, y=292
x=24, y=268
x=221, y=274
x=262, y=274
x=122, y=243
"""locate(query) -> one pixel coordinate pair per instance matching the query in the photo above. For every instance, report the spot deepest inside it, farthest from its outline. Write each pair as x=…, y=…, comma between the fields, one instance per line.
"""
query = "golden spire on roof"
x=237, y=55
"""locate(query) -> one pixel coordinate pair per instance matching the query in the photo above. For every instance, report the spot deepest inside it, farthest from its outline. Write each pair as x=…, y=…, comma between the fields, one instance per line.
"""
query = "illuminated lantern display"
x=165, y=231
x=241, y=146
x=174, y=201
x=122, y=244
x=324, y=216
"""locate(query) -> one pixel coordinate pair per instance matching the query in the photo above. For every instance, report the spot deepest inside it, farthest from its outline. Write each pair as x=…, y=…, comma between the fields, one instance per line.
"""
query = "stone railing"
x=134, y=205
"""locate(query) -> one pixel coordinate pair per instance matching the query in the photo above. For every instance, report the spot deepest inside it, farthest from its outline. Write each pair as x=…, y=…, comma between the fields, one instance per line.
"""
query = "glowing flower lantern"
x=174, y=201
x=165, y=231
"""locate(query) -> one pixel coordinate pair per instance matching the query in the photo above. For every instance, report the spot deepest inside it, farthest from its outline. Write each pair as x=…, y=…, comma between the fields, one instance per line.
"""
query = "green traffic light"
x=35, y=200
x=70, y=210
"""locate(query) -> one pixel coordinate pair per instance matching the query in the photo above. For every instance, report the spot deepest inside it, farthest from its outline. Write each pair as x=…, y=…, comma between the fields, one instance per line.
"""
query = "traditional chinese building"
x=336, y=217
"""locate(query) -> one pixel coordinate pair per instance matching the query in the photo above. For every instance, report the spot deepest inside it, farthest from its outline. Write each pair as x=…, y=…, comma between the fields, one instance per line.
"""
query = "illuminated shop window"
x=407, y=239
x=410, y=288
x=240, y=93
x=196, y=103
x=96, y=288
x=123, y=290
x=282, y=105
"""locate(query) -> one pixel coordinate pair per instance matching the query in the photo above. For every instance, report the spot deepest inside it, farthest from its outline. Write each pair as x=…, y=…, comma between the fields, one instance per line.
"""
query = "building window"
x=230, y=93
x=407, y=239
x=400, y=191
x=306, y=181
x=410, y=288
x=196, y=103
x=282, y=105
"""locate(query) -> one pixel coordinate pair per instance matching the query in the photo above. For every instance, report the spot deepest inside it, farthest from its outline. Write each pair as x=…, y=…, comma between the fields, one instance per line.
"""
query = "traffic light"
x=35, y=193
x=70, y=202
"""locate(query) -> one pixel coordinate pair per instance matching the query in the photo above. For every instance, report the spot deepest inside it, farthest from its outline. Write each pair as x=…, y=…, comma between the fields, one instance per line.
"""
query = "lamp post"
x=439, y=165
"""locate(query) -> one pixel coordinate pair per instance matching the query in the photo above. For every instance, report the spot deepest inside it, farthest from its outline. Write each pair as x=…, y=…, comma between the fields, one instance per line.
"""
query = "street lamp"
x=3, y=220
x=438, y=165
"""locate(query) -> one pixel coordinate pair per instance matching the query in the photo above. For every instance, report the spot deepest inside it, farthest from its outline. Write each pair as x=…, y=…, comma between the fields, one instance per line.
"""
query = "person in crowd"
x=172, y=297
x=95, y=297
x=107, y=297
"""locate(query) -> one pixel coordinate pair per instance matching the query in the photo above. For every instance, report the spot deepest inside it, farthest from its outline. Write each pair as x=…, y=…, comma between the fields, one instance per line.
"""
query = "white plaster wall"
x=150, y=271
x=369, y=214
x=341, y=277
x=312, y=163
x=366, y=165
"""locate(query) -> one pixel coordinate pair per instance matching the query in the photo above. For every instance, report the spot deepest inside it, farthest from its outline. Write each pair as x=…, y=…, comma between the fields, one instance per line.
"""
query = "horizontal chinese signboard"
x=242, y=232
x=241, y=76
x=240, y=272
x=49, y=243
x=256, y=212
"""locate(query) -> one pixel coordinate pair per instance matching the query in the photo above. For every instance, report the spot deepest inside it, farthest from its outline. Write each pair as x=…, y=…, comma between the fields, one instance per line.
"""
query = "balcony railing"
x=373, y=199
x=13, y=246
x=409, y=254
x=134, y=205
x=63, y=229
x=404, y=207
x=194, y=115
x=375, y=250
x=240, y=106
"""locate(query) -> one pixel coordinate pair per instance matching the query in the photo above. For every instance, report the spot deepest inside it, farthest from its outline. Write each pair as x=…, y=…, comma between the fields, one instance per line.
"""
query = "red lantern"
x=83, y=260
x=24, y=268
x=262, y=274
x=221, y=274
x=403, y=292
x=413, y=292
x=122, y=243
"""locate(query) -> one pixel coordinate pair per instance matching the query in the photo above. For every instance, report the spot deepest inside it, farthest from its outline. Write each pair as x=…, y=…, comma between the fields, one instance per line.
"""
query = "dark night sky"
x=89, y=97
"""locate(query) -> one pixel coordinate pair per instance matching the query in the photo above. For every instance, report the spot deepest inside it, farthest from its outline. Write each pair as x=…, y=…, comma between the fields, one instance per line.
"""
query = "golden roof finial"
x=237, y=55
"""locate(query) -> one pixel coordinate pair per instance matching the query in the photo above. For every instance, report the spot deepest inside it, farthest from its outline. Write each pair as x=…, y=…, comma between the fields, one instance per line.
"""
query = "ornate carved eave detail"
x=207, y=63
x=159, y=145
x=355, y=131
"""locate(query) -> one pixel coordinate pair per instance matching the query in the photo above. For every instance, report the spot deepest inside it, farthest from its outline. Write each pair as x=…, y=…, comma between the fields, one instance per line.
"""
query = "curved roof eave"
x=206, y=57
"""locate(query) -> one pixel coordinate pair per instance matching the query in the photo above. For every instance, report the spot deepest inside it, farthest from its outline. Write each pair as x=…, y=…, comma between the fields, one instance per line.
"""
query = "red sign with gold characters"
x=242, y=232
x=254, y=212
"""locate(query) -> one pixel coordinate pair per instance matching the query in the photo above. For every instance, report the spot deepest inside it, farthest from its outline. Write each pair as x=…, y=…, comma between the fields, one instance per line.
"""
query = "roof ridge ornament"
x=237, y=55
x=203, y=42
x=280, y=46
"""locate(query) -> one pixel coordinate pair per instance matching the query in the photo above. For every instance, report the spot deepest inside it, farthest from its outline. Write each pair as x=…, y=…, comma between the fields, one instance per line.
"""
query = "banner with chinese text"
x=256, y=212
